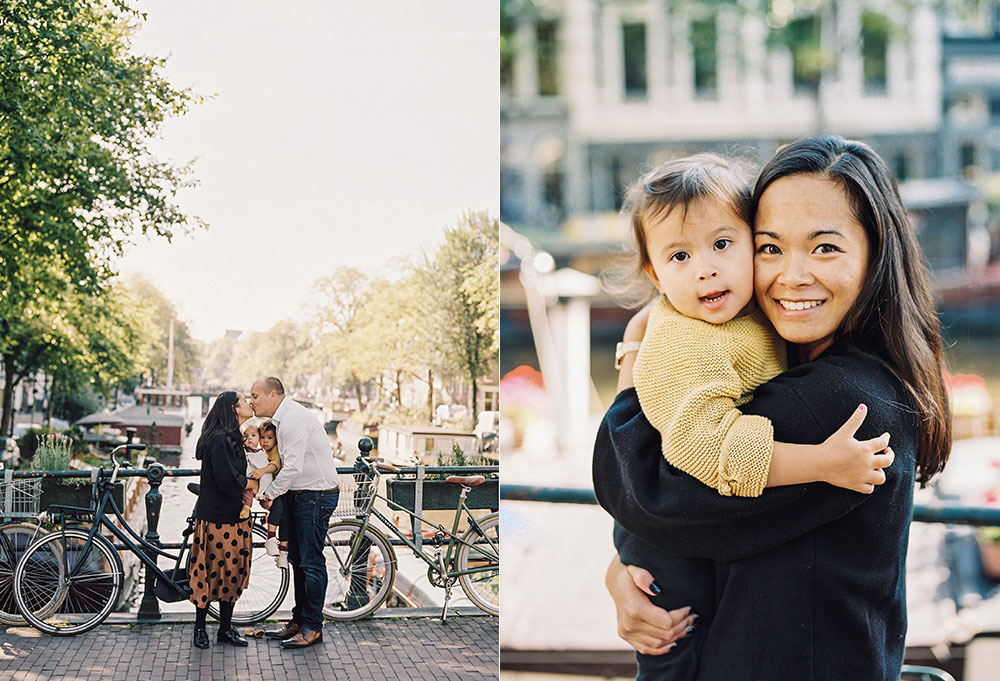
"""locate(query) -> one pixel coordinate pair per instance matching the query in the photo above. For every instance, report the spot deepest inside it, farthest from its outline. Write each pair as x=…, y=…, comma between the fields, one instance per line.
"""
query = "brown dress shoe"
x=303, y=639
x=285, y=633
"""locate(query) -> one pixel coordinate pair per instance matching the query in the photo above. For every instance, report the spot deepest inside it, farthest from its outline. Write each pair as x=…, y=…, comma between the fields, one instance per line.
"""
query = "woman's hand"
x=634, y=331
x=855, y=464
x=648, y=628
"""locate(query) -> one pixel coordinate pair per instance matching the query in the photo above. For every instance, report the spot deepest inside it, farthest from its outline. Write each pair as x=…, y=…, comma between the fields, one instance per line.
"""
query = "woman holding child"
x=802, y=580
x=220, y=549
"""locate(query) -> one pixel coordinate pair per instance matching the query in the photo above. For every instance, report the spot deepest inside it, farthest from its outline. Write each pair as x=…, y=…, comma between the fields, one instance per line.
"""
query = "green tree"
x=339, y=353
x=77, y=181
x=467, y=330
x=271, y=353
x=161, y=312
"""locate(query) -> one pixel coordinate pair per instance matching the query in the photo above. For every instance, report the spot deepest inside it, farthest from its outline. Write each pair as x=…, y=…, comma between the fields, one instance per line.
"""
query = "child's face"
x=251, y=438
x=267, y=440
x=702, y=261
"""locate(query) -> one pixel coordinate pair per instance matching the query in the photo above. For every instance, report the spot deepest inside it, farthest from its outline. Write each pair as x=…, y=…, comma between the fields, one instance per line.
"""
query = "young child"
x=256, y=460
x=706, y=348
x=269, y=443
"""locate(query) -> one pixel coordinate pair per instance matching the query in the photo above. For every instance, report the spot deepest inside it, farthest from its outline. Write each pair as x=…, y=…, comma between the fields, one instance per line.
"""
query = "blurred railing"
x=612, y=664
x=922, y=513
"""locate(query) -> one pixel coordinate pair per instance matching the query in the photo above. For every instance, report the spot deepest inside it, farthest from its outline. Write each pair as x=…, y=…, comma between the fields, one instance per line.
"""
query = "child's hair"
x=680, y=183
x=268, y=427
x=677, y=183
x=248, y=424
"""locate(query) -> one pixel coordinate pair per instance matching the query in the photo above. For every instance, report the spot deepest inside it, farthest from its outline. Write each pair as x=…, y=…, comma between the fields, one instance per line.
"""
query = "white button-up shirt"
x=306, y=457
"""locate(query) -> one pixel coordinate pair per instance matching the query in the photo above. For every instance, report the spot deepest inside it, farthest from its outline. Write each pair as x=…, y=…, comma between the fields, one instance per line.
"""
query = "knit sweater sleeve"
x=688, y=381
x=274, y=458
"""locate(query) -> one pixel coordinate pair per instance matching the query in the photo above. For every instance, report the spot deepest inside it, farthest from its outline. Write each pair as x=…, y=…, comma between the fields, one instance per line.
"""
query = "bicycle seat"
x=469, y=481
x=194, y=488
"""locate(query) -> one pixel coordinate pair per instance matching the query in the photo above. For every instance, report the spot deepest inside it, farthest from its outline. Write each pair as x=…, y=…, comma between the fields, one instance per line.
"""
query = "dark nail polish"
x=689, y=629
x=654, y=587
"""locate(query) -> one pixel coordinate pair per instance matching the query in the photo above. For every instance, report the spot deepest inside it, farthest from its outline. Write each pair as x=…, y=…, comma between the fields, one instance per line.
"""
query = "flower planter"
x=989, y=553
x=56, y=492
x=440, y=495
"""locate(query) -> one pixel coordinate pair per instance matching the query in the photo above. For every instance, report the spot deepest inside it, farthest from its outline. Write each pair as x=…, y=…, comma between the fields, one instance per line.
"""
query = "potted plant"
x=441, y=495
x=54, y=453
x=988, y=539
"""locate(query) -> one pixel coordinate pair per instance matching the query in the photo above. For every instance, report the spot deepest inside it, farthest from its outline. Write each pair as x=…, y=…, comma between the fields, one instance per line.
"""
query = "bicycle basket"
x=356, y=492
x=20, y=498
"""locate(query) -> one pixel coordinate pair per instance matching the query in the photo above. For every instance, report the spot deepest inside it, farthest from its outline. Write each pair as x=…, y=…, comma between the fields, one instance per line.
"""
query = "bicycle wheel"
x=14, y=539
x=357, y=587
x=482, y=588
x=266, y=589
x=86, y=594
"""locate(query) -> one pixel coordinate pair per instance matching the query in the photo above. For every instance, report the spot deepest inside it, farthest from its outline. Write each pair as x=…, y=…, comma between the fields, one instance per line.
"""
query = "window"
x=634, y=47
x=803, y=39
x=552, y=184
x=874, y=51
x=617, y=183
x=704, y=41
x=968, y=160
x=511, y=195
x=507, y=28
x=546, y=53
x=900, y=167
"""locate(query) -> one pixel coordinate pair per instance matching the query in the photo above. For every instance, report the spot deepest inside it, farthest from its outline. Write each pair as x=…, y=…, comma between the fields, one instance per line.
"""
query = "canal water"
x=964, y=353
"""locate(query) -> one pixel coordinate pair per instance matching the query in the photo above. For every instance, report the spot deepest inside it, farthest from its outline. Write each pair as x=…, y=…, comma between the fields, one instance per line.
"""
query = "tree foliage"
x=469, y=331
x=77, y=184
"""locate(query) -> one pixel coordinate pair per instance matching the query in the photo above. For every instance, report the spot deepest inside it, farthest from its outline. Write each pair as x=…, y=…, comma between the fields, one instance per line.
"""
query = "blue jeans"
x=308, y=515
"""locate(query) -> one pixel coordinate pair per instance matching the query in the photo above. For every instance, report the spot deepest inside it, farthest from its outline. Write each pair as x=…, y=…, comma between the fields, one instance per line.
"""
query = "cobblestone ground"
x=403, y=649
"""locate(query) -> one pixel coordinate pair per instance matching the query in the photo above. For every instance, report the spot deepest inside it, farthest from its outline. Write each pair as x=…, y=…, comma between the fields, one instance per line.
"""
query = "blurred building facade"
x=593, y=92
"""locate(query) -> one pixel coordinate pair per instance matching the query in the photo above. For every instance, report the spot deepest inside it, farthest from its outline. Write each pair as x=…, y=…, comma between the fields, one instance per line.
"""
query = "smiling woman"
x=812, y=255
x=819, y=568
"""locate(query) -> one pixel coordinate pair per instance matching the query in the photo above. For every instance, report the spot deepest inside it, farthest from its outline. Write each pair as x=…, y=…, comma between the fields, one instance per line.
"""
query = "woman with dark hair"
x=220, y=549
x=805, y=581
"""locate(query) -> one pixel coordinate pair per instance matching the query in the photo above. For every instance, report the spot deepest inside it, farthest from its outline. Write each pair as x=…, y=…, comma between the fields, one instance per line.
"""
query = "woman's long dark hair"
x=221, y=418
x=894, y=317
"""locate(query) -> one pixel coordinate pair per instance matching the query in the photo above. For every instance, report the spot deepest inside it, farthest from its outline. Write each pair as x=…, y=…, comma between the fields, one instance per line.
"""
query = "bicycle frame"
x=453, y=544
x=101, y=519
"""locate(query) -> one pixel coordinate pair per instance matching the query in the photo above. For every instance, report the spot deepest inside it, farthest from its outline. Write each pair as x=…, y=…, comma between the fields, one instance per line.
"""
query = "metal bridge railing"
x=154, y=473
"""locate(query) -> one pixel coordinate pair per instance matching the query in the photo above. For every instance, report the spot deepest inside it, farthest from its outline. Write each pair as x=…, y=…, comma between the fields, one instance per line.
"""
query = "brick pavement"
x=464, y=649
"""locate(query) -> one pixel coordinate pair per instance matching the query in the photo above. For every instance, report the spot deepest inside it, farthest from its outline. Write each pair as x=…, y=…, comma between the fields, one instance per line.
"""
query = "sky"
x=332, y=134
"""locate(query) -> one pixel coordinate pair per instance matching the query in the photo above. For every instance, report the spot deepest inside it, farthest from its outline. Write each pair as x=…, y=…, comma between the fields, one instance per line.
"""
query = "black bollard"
x=365, y=445
x=149, y=608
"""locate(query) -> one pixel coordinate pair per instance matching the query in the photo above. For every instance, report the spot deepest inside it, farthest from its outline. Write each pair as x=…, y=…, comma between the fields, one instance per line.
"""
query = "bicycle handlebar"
x=116, y=465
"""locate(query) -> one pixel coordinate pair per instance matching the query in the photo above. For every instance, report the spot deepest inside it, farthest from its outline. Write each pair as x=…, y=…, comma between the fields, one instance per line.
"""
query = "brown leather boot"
x=285, y=633
x=303, y=639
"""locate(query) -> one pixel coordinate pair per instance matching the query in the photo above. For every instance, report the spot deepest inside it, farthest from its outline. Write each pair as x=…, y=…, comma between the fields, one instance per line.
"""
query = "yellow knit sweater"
x=690, y=376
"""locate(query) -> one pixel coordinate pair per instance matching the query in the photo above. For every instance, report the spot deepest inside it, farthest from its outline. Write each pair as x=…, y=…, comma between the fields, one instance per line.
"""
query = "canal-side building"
x=159, y=418
x=593, y=92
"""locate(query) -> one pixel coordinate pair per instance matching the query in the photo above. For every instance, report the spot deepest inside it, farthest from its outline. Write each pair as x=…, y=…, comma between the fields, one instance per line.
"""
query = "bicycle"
x=69, y=581
x=362, y=566
x=19, y=510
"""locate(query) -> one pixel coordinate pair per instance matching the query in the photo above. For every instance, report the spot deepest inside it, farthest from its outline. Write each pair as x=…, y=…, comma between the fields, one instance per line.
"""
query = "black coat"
x=809, y=580
x=223, y=479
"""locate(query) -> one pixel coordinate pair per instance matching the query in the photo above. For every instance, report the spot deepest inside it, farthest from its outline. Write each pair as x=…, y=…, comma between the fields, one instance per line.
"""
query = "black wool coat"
x=806, y=582
x=223, y=479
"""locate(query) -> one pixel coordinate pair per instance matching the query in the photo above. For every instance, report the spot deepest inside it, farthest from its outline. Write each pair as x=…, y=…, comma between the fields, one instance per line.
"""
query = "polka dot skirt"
x=220, y=561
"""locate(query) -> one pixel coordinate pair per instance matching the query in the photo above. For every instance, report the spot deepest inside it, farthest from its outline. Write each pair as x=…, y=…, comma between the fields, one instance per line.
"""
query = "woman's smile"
x=799, y=305
x=811, y=259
